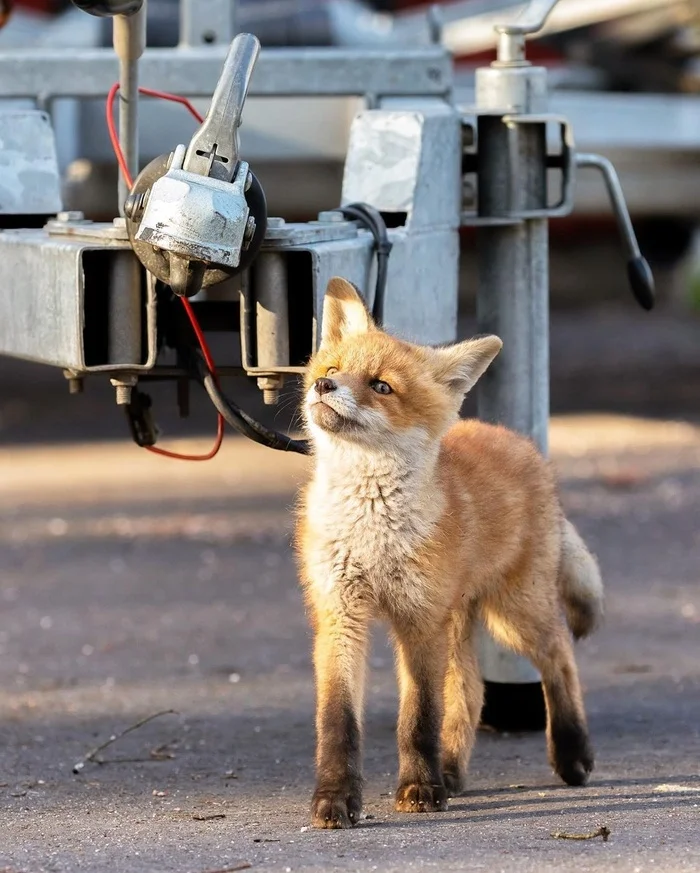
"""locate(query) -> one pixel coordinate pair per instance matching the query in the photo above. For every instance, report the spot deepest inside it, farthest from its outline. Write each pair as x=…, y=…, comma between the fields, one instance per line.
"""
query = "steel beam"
x=74, y=302
x=194, y=72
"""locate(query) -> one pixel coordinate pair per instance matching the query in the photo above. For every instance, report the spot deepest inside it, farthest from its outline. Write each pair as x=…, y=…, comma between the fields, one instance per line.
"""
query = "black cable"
x=372, y=219
x=244, y=423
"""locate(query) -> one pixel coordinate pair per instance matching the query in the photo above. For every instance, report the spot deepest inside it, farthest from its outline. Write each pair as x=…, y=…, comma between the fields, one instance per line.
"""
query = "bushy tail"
x=580, y=583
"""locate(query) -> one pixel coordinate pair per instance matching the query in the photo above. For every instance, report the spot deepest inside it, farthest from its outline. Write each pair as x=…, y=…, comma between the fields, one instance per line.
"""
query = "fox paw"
x=571, y=755
x=454, y=784
x=421, y=797
x=335, y=808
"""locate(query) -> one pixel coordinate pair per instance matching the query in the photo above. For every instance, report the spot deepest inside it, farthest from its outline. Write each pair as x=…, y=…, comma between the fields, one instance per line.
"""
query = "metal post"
x=513, y=287
x=129, y=40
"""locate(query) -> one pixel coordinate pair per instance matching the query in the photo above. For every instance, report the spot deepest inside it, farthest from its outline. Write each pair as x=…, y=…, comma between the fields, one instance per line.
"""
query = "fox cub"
x=431, y=524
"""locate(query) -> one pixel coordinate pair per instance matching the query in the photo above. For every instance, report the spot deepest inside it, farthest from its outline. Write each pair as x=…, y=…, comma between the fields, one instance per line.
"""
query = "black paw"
x=454, y=784
x=336, y=807
x=571, y=755
x=421, y=797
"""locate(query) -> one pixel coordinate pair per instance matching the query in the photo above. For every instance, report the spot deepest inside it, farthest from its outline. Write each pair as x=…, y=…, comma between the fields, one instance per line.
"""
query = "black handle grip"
x=641, y=282
x=108, y=8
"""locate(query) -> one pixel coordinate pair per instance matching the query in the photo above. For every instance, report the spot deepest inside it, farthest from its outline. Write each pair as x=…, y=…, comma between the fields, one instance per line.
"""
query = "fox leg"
x=568, y=743
x=464, y=697
x=422, y=661
x=535, y=627
x=340, y=654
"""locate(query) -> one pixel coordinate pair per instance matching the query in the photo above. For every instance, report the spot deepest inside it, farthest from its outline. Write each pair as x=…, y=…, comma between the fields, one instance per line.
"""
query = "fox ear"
x=460, y=366
x=344, y=312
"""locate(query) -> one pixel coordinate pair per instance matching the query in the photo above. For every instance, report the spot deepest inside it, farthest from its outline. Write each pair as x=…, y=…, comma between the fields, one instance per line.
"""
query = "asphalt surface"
x=132, y=585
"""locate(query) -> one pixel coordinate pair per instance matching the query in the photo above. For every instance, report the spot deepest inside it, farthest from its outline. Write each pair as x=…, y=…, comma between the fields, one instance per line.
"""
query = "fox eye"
x=331, y=371
x=381, y=387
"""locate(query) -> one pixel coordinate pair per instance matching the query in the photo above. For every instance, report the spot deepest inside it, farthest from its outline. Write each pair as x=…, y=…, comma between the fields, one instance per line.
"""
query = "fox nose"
x=324, y=386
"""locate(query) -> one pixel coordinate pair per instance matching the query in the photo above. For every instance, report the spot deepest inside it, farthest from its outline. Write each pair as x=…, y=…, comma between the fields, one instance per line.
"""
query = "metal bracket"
x=78, y=300
x=264, y=301
x=564, y=160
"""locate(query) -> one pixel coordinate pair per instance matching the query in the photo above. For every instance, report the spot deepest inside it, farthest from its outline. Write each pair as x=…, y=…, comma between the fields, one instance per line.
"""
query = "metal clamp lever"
x=190, y=224
x=531, y=20
x=511, y=37
x=638, y=270
x=213, y=150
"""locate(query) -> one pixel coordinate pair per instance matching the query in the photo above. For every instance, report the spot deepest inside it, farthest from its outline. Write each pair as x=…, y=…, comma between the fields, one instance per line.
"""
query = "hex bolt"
x=435, y=22
x=274, y=221
x=123, y=395
x=75, y=381
x=249, y=231
x=134, y=203
x=270, y=387
x=123, y=388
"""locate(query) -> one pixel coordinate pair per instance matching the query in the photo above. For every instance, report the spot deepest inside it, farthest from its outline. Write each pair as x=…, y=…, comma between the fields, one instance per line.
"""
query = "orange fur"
x=430, y=524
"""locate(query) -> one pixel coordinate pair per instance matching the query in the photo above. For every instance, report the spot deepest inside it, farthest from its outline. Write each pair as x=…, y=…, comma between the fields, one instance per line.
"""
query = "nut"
x=70, y=215
x=249, y=231
x=270, y=387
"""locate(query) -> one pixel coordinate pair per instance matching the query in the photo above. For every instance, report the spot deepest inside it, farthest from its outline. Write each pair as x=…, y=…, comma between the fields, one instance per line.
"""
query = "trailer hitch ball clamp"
x=195, y=218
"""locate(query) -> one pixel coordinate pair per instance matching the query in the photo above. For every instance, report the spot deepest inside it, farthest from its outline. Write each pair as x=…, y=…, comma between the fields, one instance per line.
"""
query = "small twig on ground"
x=602, y=831
x=92, y=755
x=164, y=752
x=207, y=816
x=104, y=761
x=244, y=865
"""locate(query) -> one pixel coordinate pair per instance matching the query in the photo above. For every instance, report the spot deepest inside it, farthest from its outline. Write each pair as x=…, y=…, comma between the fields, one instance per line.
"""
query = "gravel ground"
x=131, y=585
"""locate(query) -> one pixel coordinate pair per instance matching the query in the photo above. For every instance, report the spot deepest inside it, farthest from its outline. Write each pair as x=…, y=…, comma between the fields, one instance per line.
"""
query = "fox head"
x=366, y=387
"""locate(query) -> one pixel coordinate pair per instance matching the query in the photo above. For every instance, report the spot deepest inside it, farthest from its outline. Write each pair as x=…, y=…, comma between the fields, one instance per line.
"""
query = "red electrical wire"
x=114, y=139
x=201, y=339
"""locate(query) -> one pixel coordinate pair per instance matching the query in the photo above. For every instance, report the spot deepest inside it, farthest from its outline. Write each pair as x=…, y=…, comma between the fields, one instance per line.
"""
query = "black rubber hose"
x=244, y=423
x=372, y=219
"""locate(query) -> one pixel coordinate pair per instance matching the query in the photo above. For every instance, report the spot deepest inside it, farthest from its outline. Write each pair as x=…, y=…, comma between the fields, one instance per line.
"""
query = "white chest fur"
x=370, y=514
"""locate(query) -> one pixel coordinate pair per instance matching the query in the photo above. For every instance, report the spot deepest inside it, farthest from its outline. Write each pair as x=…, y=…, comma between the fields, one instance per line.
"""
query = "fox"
x=429, y=523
